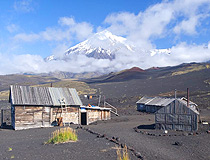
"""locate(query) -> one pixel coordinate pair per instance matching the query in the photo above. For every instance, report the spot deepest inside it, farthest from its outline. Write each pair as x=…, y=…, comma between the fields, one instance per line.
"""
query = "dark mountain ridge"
x=154, y=72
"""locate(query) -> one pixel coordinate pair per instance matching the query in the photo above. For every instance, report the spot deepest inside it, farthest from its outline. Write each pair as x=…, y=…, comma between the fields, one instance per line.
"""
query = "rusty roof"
x=48, y=96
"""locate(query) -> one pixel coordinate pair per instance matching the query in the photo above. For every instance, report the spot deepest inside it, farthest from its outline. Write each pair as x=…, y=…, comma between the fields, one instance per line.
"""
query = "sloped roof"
x=190, y=108
x=160, y=101
x=155, y=101
x=145, y=100
x=48, y=96
x=184, y=100
x=192, y=105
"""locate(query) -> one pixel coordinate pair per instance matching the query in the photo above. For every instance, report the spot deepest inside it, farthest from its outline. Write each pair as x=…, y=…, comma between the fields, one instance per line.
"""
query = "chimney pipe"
x=175, y=93
x=188, y=97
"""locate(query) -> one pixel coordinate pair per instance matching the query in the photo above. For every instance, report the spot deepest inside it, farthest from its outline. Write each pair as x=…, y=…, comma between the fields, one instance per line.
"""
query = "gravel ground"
x=155, y=147
x=28, y=144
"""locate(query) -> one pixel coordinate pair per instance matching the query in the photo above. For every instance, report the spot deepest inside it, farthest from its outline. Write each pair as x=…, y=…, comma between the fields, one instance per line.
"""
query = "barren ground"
x=28, y=144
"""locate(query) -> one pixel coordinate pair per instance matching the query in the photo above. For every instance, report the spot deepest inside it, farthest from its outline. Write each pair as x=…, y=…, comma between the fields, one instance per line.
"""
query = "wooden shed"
x=34, y=107
x=177, y=115
x=152, y=104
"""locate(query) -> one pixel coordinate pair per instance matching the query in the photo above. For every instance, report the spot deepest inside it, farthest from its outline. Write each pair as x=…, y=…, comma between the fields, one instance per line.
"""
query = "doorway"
x=84, y=118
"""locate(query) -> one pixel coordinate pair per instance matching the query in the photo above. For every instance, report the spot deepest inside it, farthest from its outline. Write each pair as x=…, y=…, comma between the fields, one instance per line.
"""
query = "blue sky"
x=37, y=29
x=33, y=17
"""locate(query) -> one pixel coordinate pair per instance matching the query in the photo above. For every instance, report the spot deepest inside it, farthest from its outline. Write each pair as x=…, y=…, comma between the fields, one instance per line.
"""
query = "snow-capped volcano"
x=105, y=45
x=102, y=45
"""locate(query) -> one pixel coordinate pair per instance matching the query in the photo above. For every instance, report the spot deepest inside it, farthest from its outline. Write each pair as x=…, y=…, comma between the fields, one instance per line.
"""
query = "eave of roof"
x=45, y=96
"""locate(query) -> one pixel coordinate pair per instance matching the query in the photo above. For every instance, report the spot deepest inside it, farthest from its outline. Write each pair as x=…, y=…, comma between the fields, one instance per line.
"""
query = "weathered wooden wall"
x=176, y=116
x=95, y=115
x=106, y=114
x=31, y=117
x=70, y=114
x=24, y=117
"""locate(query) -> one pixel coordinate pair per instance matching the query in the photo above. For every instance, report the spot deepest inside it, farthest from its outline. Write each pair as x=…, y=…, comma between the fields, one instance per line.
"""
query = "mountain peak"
x=105, y=34
x=136, y=69
x=104, y=45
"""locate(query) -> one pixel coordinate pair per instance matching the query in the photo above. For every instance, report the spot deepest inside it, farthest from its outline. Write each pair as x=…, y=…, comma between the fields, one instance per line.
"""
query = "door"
x=84, y=118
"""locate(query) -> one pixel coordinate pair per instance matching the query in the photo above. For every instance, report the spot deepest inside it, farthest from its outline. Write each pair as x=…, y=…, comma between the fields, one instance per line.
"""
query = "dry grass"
x=62, y=135
x=81, y=87
x=4, y=95
x=124, y=155
x=195, y=67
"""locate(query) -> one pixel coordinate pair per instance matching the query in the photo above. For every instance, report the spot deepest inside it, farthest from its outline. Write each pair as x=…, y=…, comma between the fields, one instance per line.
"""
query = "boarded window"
x=168, y=126
x=160, y=118
x=188, y=128
x=185, y=119
x=179, y=127
x=171, y=118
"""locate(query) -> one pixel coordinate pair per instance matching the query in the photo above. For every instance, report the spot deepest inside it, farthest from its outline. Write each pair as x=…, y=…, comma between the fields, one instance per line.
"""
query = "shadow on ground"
x=149, y=126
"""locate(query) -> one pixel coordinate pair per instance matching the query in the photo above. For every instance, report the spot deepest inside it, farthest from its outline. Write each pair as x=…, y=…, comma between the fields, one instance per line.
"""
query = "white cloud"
x=26, y=37
x=81, y=30
x=59, y=50
x=69, y=21
x=68, y=29
x=23, y=6
x=12, y=28
x=54, y=34
x=186, y=26
x=181, y=16
x=181, y=53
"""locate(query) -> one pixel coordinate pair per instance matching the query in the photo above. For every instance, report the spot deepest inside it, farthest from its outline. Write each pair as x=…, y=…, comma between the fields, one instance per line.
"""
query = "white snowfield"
x=104, y=45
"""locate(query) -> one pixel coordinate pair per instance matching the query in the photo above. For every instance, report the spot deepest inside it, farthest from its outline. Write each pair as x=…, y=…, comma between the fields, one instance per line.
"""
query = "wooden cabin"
x=178, y=115
x=152, y=104
x=34, y=107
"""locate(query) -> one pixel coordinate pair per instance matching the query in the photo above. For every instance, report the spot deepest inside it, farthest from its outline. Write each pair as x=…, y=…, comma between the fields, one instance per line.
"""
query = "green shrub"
x=62, y=135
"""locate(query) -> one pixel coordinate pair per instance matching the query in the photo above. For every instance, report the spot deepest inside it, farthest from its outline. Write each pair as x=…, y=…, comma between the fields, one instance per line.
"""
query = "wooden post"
x=42, y=116
x=104, y=100
x=2, y=118
x=51, y=114
x=188, y=97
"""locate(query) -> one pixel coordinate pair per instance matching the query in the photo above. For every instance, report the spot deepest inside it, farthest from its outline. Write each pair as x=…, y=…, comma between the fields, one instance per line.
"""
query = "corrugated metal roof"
x=50, y=96
x=144, y=100
x=160, y=101
x=155, y=101
x=75, y=96
x=192, y=105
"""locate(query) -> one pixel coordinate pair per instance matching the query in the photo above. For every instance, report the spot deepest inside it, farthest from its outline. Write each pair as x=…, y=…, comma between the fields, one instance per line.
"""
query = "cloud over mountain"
x=178, y=22
x=176, y=17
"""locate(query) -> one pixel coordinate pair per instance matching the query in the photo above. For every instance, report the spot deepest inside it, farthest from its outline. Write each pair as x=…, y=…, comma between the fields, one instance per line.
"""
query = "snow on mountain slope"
x=160, y=51
x=102, y=45
x=105, y=45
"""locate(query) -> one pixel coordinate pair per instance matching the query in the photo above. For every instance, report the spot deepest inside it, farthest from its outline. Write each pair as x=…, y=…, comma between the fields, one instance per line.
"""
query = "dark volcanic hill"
x=157, y=82
x=124, y=75
x=151, y=73
x=7, y=80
